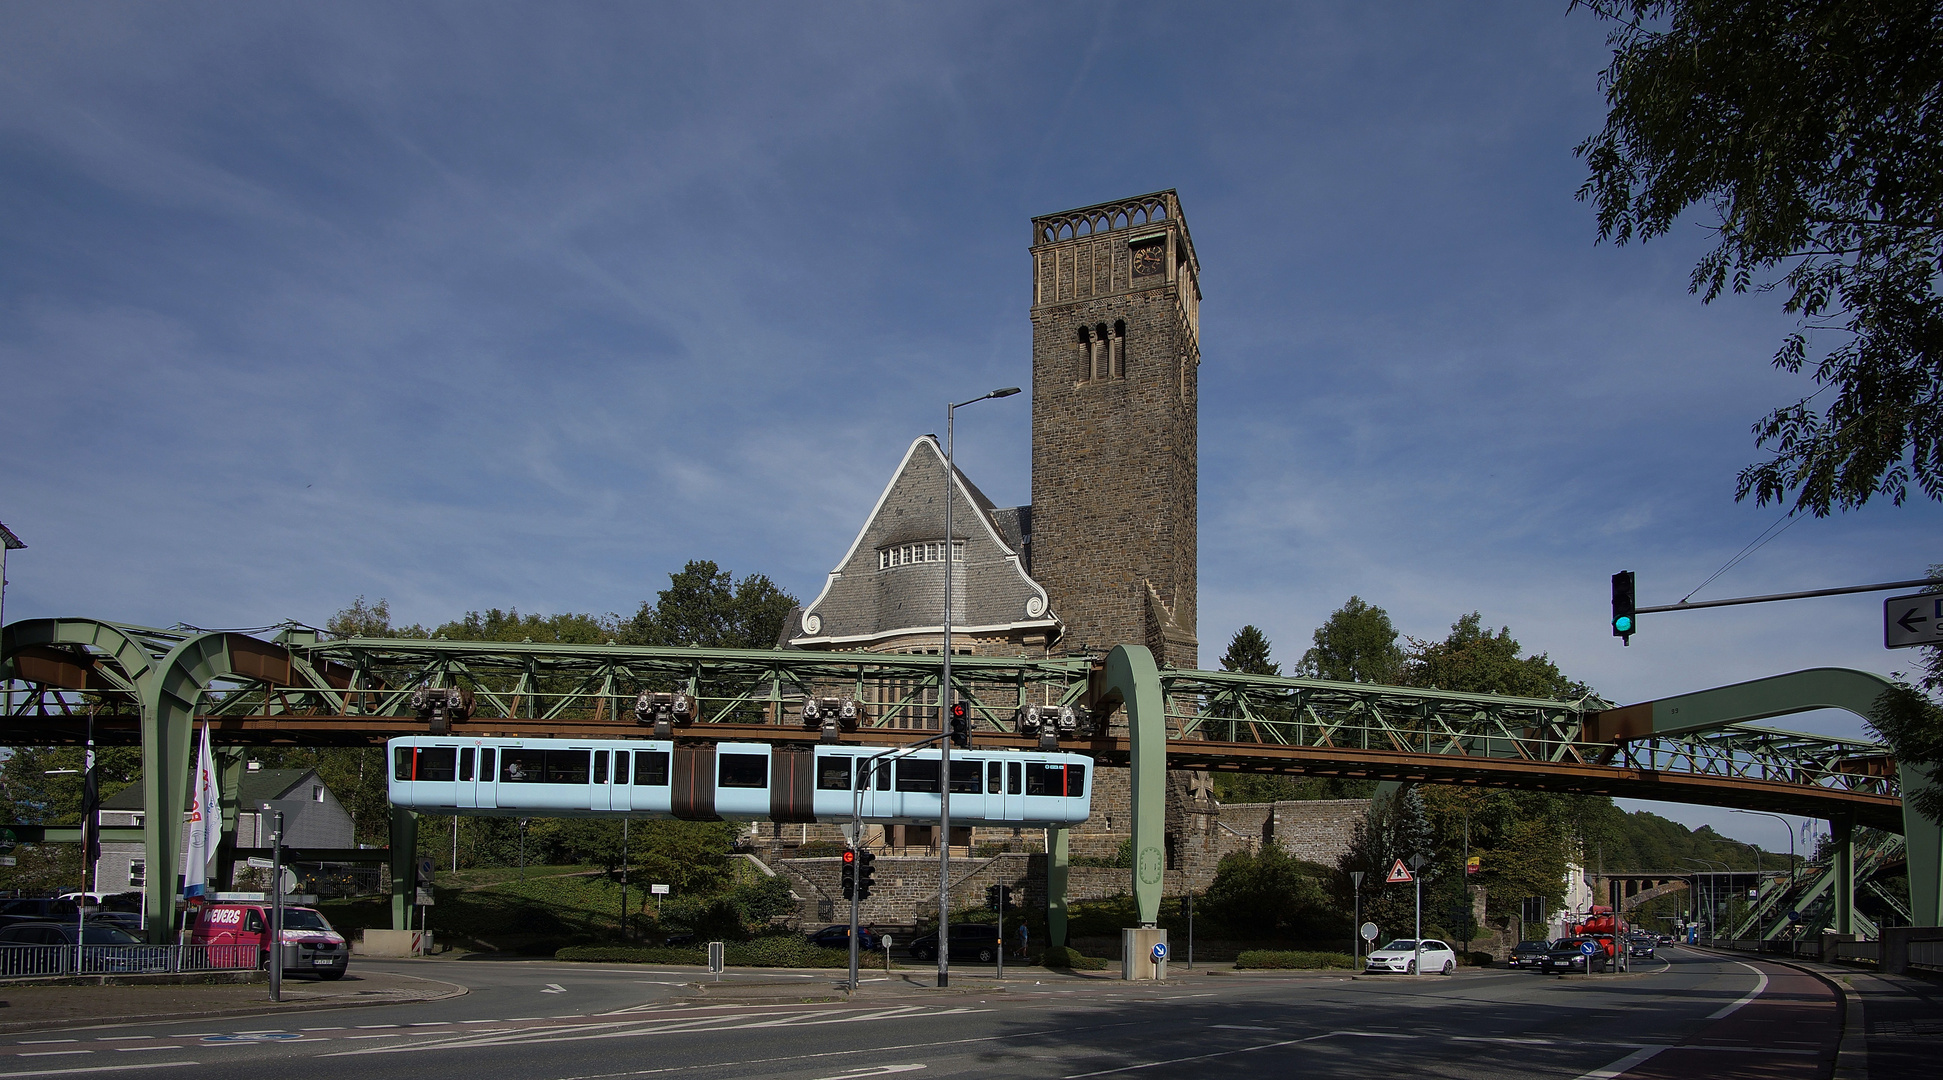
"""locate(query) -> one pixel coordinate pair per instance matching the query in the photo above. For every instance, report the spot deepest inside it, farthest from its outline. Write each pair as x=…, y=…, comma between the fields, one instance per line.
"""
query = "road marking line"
x=840, y=1053
x=99, y=1069
x=1243, y=1027
x=1623, y=1064
x=115, y=1038
x=139, y=1049
x=1751, y=994
x=369, y=1027
x=872, y=1070
x=478, y=1021
x=1205, y=1057
x=43, y=1042
x=53, y=1053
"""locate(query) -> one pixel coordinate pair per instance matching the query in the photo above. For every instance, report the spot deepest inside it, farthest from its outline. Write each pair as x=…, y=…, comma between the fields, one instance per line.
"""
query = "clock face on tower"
x=1150, y=259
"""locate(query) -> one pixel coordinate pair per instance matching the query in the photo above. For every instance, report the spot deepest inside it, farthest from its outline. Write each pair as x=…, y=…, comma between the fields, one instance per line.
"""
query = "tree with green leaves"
x=1808, y=134
x=1269, y=894
x=1248, y=653
x=1475, y=660
x=708, y=606
x=1357, y=644
x=29, y=795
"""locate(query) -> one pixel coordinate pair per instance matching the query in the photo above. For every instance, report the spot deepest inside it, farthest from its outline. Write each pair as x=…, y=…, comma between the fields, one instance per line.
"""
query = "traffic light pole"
x=1624, y=608
x=865, y=767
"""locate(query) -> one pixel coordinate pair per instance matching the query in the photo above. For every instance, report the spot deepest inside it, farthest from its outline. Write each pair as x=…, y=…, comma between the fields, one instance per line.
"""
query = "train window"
x=964, y=777
x=1075, y=781
x=995, y=778
x=437, y=763
x=486, y=754
x=833, y=773
x=600, y=766
x=917, y=776
x=1050, y=779
x=620, y=766
x=651, y=768
x=401, y=763
x=567, y=766
x=524, y=766
x=742, y=770
x=465, y=763
x=1013, y=771
x=883, y=776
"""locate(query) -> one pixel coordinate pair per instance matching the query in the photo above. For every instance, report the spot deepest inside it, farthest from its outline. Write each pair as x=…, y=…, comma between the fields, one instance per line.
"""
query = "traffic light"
x=1622, y=606
x=850, y=874
x=960, y=726
x=866, y=872
x=998, y=897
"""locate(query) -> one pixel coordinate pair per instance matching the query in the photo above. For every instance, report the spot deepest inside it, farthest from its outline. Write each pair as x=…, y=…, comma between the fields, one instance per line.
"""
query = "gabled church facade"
x=887, y=593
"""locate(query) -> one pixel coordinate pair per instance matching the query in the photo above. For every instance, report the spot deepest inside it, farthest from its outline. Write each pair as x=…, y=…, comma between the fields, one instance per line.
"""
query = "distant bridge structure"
x=147, y=686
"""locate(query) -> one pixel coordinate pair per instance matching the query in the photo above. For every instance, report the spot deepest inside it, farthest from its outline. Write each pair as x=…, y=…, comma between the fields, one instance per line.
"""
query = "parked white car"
x=1403, y=955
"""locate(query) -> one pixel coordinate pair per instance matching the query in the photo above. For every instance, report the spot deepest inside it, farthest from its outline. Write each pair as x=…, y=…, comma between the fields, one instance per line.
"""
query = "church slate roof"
x=864, y=601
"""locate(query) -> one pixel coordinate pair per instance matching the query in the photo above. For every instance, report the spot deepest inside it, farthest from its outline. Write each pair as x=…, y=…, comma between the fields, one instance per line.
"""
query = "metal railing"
x=41, y=961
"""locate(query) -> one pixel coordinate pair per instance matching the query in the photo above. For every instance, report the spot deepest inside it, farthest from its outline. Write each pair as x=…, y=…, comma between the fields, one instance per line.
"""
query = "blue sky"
x=526, y=305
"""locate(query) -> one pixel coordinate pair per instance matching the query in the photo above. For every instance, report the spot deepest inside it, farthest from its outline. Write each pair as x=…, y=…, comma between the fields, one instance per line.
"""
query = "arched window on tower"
x=1119, y=357
x=1085, y=354
x=1102, y=352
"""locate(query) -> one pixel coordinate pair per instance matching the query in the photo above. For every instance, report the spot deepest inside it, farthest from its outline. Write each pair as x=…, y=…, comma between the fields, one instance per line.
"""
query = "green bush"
x=1059, y=956
x=632, y=954
x=792, y=950
x=777, y=951
x=1261, y=959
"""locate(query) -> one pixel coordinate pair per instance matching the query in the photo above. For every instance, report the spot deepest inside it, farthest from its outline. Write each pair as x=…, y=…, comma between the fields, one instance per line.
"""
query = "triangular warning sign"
x=1398, y=875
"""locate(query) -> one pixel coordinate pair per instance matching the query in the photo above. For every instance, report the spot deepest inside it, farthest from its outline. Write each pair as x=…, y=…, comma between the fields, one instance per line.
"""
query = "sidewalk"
x=43, y=1007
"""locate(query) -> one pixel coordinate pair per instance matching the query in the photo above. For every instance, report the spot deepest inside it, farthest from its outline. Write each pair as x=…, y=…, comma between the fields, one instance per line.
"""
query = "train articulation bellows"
x=740, y=781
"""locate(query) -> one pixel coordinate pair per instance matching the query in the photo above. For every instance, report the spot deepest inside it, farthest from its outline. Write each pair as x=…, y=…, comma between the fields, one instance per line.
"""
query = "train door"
x=485, y=790
x=468, y=791
x=649, y=788
x=601, y=797
x=1003, y=783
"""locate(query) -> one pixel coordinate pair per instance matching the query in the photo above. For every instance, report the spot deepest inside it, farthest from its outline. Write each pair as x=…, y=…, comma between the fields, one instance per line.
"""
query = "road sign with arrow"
x=1912, y=620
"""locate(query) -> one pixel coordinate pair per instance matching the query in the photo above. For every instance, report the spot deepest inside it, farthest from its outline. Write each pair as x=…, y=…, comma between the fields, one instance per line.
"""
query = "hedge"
x=1268, y=958
x=779, y=951
x=1060, y=956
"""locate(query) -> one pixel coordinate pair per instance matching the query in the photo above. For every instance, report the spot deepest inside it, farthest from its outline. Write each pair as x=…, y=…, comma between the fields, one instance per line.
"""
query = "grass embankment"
x=494, y=910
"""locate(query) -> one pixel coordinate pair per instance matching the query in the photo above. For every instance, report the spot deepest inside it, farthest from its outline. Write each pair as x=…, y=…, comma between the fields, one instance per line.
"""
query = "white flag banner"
x=205, y=820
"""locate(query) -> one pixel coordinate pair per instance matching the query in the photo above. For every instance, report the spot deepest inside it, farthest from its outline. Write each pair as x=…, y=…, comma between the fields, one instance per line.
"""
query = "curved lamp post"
x=944, y=700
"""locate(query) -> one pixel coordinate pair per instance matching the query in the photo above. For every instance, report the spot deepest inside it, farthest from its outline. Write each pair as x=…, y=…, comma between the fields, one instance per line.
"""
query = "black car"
x=1528, y=954
x=838, y=937
x=1643, y=945
x=969, y=941
x=1568, y=956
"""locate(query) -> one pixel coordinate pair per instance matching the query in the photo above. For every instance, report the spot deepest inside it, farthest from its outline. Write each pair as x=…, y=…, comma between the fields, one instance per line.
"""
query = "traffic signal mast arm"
x=1624, y=610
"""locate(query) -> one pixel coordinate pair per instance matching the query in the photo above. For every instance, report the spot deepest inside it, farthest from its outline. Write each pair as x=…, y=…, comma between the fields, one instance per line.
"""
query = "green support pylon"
x=1057, y=871
x=404, y=866
x=1132, y=679
x=1842, y=833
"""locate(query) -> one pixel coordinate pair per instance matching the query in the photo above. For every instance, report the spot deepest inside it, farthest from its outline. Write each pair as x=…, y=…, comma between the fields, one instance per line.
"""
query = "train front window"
x=401, y=763
x=1060, y=780
x=465, y=764
x=920, y=776
x=651, y=768
x=833, y=773
x=438, y=763
x=742, y=770
x=965, y=777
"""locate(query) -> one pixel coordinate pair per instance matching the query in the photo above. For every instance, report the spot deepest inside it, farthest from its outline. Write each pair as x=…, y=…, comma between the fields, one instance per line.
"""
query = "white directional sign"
x=1912, y=620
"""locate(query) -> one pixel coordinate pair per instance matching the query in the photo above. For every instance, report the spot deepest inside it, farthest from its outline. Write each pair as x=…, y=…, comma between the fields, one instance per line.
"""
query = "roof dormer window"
x=929, y=551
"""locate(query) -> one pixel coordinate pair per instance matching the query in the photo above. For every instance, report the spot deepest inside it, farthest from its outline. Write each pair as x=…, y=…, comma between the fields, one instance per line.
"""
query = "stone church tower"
x=1115, y=352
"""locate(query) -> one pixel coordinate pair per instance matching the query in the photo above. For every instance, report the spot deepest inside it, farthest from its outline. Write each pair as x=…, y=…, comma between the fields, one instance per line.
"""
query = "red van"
x=238, y=935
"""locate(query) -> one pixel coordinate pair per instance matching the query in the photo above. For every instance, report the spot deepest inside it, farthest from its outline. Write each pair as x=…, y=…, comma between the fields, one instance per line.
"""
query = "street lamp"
x=944, y=699
x=1791, y=839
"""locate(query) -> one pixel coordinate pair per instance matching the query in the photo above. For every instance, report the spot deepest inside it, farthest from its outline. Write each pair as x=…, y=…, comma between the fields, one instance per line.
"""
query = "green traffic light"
x=1623, y=624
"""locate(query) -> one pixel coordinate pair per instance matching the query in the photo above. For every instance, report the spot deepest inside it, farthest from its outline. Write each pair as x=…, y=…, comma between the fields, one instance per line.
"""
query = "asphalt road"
x=1685, y=1015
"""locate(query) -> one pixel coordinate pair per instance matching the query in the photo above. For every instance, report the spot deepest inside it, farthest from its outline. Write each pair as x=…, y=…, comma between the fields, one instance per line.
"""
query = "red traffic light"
x=849, y=856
